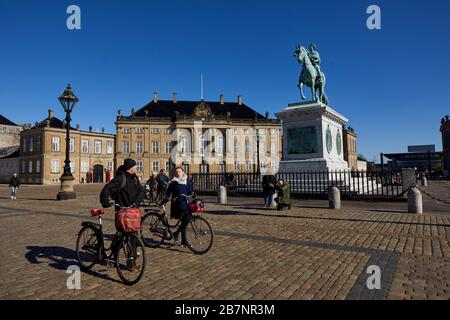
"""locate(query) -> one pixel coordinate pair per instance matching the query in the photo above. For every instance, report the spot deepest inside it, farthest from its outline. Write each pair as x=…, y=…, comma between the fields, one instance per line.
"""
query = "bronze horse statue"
x=310, y=76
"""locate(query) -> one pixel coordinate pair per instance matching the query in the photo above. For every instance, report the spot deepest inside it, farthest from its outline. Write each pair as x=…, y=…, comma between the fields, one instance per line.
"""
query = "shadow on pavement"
x=59, y=258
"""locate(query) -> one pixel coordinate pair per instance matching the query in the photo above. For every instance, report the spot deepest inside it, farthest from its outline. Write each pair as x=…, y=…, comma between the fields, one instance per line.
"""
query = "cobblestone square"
x=309, y=252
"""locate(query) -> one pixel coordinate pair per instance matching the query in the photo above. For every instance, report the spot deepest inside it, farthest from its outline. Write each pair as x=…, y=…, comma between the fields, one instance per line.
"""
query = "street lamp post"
x=68, y=101
x=258, y=169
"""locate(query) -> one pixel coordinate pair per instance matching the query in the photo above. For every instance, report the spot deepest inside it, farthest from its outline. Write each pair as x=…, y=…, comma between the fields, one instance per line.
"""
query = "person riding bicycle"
x=179, y=187
x=125, y=189
x=161, y=182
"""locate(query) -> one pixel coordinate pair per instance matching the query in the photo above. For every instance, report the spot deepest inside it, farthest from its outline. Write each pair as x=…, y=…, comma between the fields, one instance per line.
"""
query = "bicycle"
x=156, y=228
x=126, y=250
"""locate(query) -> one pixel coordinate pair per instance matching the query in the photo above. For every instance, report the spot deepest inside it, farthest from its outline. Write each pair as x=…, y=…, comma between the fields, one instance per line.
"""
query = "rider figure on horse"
x=315, y=60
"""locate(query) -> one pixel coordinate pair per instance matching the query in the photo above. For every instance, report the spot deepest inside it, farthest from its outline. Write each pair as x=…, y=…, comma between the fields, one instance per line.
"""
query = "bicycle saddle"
x=97, y=212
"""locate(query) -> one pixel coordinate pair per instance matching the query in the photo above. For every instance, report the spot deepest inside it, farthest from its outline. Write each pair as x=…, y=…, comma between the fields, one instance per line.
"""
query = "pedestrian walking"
x=14, y=184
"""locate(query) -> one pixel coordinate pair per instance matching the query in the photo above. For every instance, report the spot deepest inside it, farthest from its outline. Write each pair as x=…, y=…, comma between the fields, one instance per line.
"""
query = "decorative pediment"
x=202, y=110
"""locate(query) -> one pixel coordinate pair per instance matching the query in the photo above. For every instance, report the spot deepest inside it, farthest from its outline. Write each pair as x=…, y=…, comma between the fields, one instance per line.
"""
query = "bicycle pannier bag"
x=128, y=220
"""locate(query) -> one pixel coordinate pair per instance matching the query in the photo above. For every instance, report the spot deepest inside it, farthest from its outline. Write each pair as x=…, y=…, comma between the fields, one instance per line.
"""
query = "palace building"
x=201, y=136
x=43, y=149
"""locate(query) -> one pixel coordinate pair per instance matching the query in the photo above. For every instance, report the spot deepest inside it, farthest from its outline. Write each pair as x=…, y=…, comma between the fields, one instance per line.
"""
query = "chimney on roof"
x=50, y=113
x=240, y=100
x=221, y=99
x=155, y=97
x=174, y=97
x=77, y=126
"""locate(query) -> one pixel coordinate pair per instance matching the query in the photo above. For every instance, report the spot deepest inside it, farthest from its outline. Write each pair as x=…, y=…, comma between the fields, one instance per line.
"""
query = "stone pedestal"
x=312, y=138
x=66, y=192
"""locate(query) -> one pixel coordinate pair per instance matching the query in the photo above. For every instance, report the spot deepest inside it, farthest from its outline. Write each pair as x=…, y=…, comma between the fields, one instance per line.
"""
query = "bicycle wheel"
x=153, y=230
x=88, y=247
x=130, y=259
x=199, y=235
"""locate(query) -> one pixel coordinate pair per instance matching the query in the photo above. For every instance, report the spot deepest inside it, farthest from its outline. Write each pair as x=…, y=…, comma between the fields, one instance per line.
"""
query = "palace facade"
x=43, y=150
x=201, y=136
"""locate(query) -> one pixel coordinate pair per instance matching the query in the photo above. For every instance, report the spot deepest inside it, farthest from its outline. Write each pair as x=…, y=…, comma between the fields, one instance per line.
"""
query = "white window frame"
x=38, y=166
x=125, y=147
x=30, y=145
x=126, y=130
x=72, y=145
x=56, y=142
x=155, y=166
x=97, y=146
x=109, y=147
x=155, y=147
x=84, y=166
x=55, y=166
x=167, y=166
x=219, y=145
x=84, y=146
x=168, y=131
x=139, y=130
x=155, y=131
x=30, y=166
x=139, y=147
x=139, y=166
x=236, y=166
x=168, y=147
x=201, y=144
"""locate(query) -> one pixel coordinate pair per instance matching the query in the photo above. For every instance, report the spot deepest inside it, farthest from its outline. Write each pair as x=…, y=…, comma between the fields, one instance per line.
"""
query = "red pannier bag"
x=128, y=220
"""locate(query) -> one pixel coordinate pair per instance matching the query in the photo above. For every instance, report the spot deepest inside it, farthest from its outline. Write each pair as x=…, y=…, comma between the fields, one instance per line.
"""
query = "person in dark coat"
x=14, y=184
x=178, y=188
x=268, y=185
x=125, y=189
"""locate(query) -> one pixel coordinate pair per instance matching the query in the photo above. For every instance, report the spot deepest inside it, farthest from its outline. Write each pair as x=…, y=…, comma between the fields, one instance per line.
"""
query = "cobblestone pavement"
x=306, y=253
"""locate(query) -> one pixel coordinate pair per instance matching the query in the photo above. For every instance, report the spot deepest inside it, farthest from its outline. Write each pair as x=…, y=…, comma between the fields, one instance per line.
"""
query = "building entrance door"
x=98, y=173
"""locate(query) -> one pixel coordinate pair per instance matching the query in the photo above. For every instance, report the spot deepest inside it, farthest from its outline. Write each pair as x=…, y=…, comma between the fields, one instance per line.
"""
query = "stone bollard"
x=274, y=203
x=415, y=201
x=334, y=198
x=222, y=195
x=424, y=181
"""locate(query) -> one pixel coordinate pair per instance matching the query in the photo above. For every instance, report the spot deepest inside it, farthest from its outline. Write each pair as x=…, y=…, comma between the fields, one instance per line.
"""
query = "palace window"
x=155, y=166
x=273, y=148
x=139, y=130
x=246, y=131
x=55, y=166
x=201, y=144
x=109, y=147
x=183, y=145
x=139, y=166
x=72, y=145
x=168, y=146
x=72, y=166
x=31, y=144
x=248, y=165
x=168, y=166
x=24, y=144
x=168, y=131
x=97, y=146
x=30, y=166
x=237, y=166
x=155, y=130
x=85, y=146
x=38, y=166
x=139, y=147
x=262, y=147
x=222, y=167
x=247, y=146
x=55, y=144
x=126, y=130
x=236, y=146
x=219, y=146
x=155, y=146
x=23, y=166
x=126, y=147
x=84, y=166
x=185, y=166
x=38, y=144
x=110, y=166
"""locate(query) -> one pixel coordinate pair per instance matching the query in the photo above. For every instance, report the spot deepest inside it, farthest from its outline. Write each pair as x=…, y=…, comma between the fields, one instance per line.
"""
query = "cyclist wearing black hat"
x=125, y=189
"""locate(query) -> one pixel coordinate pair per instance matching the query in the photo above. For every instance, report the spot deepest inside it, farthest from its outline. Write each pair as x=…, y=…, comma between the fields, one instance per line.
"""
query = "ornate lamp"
x=68, y=101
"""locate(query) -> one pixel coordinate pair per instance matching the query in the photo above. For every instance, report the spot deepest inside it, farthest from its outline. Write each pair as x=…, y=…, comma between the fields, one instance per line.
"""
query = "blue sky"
x=391, y=83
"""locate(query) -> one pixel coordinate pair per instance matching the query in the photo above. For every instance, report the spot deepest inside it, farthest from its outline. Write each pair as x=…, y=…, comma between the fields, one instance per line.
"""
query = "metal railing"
x=352, y=184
